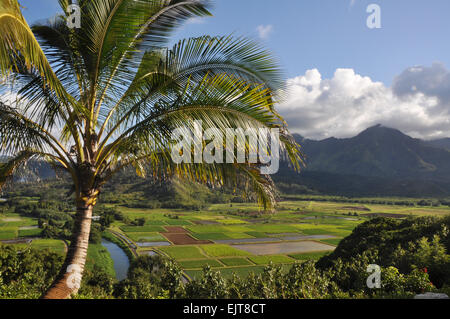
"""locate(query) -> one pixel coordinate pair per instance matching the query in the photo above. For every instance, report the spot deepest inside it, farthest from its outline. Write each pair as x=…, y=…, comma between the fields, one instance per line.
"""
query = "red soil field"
x=175, y=229
x=184, y=239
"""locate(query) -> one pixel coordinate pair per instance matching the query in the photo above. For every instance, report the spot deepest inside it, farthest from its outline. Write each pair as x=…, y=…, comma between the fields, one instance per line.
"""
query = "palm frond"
x=132, y=28
x=7, y=169
x=18, y=133
x=240, y=57
x=17, y=39
x=189, y=61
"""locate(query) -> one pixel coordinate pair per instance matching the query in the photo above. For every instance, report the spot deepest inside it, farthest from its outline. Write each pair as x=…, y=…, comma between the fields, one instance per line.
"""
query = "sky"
x=341, y=76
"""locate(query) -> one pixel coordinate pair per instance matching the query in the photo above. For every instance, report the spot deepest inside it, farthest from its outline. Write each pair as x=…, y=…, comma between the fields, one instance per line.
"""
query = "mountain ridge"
x=379, y=161
x=377, y=152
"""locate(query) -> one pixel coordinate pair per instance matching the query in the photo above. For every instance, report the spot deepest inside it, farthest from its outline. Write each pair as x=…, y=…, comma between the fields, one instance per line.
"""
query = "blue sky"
x=343, y=76
x=326, y=34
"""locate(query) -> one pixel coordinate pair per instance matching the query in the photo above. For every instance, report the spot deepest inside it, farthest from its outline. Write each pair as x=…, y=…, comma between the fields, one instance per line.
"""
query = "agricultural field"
x=238, y=238
x=231, y=238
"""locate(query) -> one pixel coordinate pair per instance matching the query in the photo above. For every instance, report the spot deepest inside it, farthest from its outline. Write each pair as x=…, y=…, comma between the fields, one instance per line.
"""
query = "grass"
x=221, y=236
x=156, y=222
x=332, y=241
x=322, y=229
x=142, y=229
x=274, y=229
x=309, y=256
x=232, y=221
x=7, y=234
x=239, y=235
x=146, y=237
x=223, y=251
x=178, y=222
x=36, y=232
x=100, y=257
x=55, y=245
x=183, y=252
x=202, y=229
x=235, y=262
x=237, y=228
x=198, y=264
x=257, y=234
x=211, y=236
x=276, y=259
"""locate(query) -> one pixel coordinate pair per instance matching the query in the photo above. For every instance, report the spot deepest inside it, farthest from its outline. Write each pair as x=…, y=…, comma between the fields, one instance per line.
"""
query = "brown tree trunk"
x=69, y=279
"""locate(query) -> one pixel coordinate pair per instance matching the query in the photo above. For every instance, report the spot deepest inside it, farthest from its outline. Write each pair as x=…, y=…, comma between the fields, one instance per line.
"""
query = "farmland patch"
x=284, y=248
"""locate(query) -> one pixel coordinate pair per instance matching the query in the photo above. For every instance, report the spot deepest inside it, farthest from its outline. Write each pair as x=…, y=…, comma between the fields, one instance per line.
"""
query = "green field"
x=30, y=232
x=183, y=252
x=145, y=237
x=55, y=245
x=235, y=261
x=309, y=256
x=7, y=233
x=142, y=229
x=237, y=224
x=193, y=264
x=276, y=259
x=211, y=236
x=332, y=241
x=223, y=251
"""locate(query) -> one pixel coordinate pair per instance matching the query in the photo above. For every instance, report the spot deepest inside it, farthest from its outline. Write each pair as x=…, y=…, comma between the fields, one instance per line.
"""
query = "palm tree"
x=96, y=99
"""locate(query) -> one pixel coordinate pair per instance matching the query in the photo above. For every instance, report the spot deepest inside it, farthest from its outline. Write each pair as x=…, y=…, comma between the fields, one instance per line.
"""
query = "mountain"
x=378, y=161
x=34, y=170
x=441, y=143
x=378, y=152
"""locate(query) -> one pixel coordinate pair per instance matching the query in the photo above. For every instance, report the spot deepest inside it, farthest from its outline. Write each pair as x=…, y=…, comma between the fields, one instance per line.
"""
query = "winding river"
x=121, y=262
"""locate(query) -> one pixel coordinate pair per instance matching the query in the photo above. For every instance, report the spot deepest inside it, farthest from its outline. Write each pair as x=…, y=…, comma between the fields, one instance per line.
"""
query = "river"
x=121, y=262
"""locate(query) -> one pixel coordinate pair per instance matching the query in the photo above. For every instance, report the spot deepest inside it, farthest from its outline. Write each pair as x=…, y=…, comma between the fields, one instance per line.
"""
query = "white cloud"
x=196, y=20
x=264, y=31
x=418, y=103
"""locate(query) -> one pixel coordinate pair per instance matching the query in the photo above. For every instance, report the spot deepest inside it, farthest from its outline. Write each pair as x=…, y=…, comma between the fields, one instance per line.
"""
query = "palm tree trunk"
x=69, y=279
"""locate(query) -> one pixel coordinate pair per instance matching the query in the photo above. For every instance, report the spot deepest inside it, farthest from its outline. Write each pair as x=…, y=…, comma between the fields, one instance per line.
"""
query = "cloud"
x=418, y=103
x=264, y=31
x=432, y=81
x=196, y=20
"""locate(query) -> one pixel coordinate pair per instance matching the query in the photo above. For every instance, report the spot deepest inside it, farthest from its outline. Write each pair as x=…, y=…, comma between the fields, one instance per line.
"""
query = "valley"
x=233, y=238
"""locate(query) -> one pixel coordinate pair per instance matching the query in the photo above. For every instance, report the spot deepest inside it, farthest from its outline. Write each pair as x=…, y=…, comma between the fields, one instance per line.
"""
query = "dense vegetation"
x=409, y=245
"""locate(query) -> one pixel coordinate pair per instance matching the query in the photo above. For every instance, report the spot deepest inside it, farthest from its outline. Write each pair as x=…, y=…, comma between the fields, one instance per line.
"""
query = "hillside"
x=378, y=161
x=378, y=152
